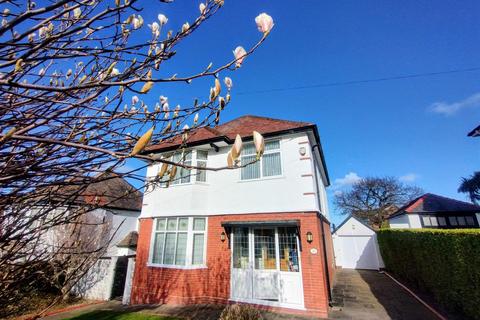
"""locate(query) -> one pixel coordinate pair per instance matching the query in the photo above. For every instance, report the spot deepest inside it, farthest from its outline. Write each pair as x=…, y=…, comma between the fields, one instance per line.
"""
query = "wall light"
x=309, y=237
x=223, y=236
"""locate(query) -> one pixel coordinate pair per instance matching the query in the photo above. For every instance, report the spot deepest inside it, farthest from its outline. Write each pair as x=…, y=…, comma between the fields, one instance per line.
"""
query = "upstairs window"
x=202, y=157
x=183, y=175
x=269, y=165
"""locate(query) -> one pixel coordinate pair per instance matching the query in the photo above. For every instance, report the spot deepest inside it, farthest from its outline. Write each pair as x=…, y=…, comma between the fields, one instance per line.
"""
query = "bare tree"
x=72, y=74
x=374, y=198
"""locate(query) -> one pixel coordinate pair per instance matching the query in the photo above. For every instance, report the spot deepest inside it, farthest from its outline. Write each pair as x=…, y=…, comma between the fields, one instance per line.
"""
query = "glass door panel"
x=265, y=252
x=241, y=276
x=287, y=238
x=240, y=248
x=265, y=275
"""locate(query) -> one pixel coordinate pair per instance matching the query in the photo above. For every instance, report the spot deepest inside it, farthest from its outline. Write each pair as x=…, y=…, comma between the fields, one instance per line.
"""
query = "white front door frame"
x=289, y=284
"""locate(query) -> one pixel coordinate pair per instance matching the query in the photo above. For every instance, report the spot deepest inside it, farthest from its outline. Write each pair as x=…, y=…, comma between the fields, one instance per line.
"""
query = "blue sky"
x=412, y=128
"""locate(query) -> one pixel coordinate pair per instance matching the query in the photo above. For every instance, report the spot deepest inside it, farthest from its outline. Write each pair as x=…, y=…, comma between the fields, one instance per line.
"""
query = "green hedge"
x=445, y=263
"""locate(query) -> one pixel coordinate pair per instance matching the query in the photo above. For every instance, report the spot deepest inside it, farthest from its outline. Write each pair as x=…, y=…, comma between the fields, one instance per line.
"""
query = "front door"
x=266, y=266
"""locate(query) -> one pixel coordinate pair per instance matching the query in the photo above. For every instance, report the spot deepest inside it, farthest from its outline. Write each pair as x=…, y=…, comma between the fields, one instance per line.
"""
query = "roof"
x=130, y=240
x=353, y=217
x=244, y=126
x=432, y=203
x=475, y=132
x=111, y=191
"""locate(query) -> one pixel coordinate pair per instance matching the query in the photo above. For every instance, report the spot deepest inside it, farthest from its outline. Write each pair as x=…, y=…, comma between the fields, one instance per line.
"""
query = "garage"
x=355, y=245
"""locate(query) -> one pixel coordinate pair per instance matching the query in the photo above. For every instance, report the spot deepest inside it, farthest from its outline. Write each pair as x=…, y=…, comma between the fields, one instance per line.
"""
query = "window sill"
x=188, y=184
x=169, y=266
x=262, y=179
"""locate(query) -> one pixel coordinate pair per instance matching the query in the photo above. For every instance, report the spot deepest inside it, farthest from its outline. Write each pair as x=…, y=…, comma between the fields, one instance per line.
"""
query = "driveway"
x=365, y=294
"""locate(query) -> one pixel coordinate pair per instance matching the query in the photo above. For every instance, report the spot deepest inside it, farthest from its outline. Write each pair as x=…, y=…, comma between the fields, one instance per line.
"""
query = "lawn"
x=119, y=315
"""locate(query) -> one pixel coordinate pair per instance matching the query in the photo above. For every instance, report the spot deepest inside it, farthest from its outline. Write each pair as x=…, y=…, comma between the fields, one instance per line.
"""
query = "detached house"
x=113, y=206
x=434, y=211
x=258, y=235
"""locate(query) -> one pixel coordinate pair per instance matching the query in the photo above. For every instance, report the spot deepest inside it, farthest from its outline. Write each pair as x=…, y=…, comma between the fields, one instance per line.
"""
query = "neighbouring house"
x=434, y=211
x=356, y=245
x=257, y=235
x=114, y=206
x=475, y=132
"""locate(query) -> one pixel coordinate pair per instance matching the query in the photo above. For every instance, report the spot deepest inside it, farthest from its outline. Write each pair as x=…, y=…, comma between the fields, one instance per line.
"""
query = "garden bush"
x=240, y=312
x=445, y=263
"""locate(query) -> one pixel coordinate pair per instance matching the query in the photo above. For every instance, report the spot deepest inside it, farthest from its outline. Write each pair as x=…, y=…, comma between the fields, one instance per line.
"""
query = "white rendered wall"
x=405, y=221
x=123, y=222
x=128, y=282
x=399, y=222
x=225, y=193
x=353, y=227
x=350, y=229
x=97, y=283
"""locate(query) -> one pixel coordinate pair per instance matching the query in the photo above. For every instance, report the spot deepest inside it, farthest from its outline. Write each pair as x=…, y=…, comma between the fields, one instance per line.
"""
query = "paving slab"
x=370, y=295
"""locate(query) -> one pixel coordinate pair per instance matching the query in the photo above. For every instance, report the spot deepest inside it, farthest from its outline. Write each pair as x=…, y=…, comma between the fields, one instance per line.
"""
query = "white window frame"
x=197, y=161
x=262, y=177
x=189, y=250
x=179, y=169
x=193, y=172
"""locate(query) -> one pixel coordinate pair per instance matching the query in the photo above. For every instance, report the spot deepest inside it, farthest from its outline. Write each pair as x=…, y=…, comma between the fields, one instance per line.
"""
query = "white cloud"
x=449, y=109
x=409, y=177
x=338, y=193
x=348, y=180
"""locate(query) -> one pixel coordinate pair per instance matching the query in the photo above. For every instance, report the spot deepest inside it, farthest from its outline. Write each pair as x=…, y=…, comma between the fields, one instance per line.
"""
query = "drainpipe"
x=324, y=242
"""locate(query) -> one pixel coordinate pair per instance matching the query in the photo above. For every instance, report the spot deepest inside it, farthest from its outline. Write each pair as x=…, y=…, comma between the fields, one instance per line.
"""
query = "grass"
x=119, y=315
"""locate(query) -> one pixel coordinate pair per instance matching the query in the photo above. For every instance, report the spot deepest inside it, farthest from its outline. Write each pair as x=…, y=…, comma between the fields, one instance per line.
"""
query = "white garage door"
x=359, y=252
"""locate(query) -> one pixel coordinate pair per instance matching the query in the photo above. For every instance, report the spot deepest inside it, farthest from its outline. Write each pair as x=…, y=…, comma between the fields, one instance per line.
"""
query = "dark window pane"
x=199, y=224
x=265, y=257
x=181, y=252
x=198, y=244
x=470, y=221
x=271, y=164
x=441, y=221
x=252, y=171
x=240, y=248
x=169, y=248
x=172, y=224
x=288, y=249
x=452, y=220
x=461, y=221
x=157, y=254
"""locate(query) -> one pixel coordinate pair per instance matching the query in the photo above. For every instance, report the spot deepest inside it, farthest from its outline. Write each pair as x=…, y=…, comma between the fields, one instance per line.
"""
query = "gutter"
x=324, y=241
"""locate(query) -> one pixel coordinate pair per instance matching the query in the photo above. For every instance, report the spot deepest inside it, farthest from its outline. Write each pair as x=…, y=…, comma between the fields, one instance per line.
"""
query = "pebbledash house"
x=258, y=234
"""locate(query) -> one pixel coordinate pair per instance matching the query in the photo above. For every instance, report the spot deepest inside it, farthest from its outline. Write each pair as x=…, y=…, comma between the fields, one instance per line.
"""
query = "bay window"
x=179, y=241
x=184, y=175
x=269, y=165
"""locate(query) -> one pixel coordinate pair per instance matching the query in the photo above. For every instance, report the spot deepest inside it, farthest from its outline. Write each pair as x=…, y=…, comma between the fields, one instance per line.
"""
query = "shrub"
x=445, y=263
x=240, y=312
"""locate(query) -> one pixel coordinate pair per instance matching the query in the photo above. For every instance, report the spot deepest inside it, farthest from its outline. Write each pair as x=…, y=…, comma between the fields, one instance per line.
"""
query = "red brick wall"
x=330, y=252
x=179, y=286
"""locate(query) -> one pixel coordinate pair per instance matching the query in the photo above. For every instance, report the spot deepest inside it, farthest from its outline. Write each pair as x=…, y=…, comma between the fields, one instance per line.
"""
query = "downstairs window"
x=179, y=241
